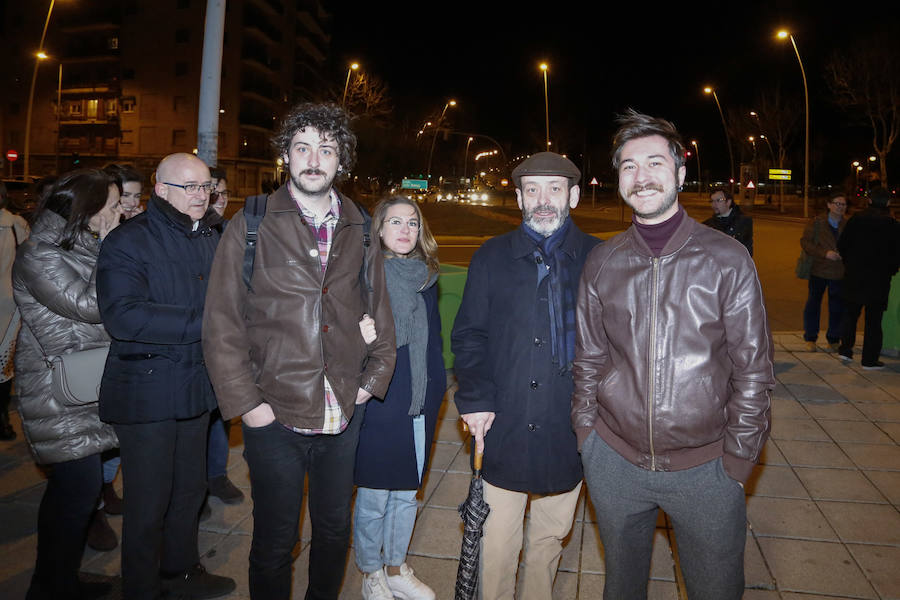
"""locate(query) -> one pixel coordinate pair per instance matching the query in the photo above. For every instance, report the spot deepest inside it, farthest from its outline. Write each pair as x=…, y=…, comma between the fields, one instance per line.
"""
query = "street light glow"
x=707, y=90
x=782, y=34
x=42, y=55
x=452, y=103
x=354, y=66
x=544, y=66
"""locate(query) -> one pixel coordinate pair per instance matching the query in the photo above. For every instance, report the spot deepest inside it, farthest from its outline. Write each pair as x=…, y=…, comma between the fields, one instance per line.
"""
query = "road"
x=776, y=248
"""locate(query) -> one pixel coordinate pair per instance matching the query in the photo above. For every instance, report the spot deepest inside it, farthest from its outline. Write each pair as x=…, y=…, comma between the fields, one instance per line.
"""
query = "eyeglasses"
x=838, y=204
x=397, y=222
x=223, y=193
x=193, y=188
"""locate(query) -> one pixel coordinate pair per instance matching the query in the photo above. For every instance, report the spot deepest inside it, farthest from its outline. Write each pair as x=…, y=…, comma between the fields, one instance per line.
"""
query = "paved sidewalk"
x=824, y=507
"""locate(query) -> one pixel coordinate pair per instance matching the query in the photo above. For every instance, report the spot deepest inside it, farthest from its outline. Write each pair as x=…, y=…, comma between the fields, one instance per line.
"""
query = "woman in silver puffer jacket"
x=54, y=288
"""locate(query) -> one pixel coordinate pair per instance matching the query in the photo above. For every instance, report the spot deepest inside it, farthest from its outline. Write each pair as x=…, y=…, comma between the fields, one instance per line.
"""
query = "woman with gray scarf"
x=396, y=434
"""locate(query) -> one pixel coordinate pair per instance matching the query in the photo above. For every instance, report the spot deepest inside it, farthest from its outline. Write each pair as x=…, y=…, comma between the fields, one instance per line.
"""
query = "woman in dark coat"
x=54, y=287
x=396, y=434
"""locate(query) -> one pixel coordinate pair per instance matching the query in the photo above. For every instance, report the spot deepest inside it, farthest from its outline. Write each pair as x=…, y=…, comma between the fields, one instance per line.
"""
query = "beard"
x=323, y=187
x=670, y=198
x=545, y=225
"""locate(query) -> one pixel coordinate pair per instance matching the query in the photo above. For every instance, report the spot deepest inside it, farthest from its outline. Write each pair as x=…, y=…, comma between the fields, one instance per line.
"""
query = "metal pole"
x=466, y=156
x=727, y=139
x=437, y=127
x=699, y=170
x=806, y=149
x=37, y=61
x=210, y=83
x=58, y=113
x=546, y=110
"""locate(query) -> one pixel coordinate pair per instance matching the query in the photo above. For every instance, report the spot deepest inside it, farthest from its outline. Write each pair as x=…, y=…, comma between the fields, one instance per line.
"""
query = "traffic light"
x=76, y=160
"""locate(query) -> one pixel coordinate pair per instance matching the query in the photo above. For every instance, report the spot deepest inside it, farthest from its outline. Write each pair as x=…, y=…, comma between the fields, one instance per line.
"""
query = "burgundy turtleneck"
x=658, y=234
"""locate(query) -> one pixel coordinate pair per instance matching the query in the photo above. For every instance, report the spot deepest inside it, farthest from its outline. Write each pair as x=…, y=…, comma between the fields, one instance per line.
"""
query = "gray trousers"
x=706, y=507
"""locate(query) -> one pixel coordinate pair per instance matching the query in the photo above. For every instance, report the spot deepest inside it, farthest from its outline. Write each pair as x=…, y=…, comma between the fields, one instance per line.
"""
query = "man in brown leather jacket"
x=673, y=377
x=288, y=355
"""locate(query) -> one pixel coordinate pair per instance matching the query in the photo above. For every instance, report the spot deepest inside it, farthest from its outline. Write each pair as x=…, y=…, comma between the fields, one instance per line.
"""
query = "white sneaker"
x=407, y=586
x=375, y=586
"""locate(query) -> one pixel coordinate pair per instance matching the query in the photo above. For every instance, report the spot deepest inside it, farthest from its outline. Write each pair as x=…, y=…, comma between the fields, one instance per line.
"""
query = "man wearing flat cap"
x=514, y=341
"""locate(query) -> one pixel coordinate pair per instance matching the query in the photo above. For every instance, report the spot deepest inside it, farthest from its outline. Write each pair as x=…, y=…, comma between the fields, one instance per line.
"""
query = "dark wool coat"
x=736, y=224
x=504, y=364
x=386, y=455
x=151, y=285
x=870, y=249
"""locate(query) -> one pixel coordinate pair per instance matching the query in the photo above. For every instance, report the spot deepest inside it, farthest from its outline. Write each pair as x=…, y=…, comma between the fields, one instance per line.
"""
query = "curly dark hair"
x=328, y=119
x=633, y=125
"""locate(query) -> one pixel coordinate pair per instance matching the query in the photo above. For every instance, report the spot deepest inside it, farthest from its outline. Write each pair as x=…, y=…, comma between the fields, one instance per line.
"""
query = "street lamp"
x=353, y=67
x=784, y=34
x=437, y=128
x=466, y=155
x=762, y=135
x=708, y=90
x=39, y=56
x=545, y=67
x=699, y=172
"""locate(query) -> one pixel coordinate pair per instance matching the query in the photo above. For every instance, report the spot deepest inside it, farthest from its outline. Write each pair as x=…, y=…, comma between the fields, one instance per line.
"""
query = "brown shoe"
x=100, y=536
x=810, y=346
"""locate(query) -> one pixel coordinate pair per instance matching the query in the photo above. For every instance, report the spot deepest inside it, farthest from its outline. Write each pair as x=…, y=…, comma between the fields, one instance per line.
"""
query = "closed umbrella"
x=474, y=510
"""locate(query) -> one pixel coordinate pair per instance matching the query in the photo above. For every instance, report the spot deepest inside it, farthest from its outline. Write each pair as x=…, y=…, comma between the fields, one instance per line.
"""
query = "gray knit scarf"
x=406, y=278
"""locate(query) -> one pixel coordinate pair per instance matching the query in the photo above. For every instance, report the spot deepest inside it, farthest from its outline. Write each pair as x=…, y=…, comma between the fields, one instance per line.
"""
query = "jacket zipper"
x=650, y=367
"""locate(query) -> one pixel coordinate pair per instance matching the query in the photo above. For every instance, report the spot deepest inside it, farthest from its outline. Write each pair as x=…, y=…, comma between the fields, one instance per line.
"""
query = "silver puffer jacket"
x=57, y=298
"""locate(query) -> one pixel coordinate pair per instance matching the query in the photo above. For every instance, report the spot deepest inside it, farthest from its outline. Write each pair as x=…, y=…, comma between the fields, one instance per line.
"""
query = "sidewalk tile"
x=854, y=431
x=786, y=406
x=873, y=456
x=880, y=565
x=863, y=523
x=756, y=573
x=438, y=533
x=888, y=482
x=571, y=553
x=815, y=567
x=865, y=394
x=783, y=517
x=892, y=430
x=881, y=412
x=838, y=412
x=815, y=393
x=590, y=586
x=838, y=484
x=228, y=556
x=771, y=480
x=442, y=456
x=771, y=455
x=813, y=454
x=452, y=489
x=797, y=429
x=439, y=574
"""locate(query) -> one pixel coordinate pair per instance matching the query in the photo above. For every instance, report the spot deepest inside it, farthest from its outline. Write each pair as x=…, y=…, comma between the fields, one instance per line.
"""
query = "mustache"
x=643, y=188
x=313, y=172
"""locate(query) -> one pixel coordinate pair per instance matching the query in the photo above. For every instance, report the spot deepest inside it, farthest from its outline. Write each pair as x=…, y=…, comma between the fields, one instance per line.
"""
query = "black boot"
x=100, y=536
x=195, y=584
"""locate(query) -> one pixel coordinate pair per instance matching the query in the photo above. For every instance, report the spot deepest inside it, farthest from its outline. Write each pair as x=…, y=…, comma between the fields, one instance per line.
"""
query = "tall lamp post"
x=545, y=67
x=437, y=127
x=353, y=67
x=784, y=34
x=39, y=56
x=699, y=172
x=762, y=134
x=466, y=155
x=709, y=90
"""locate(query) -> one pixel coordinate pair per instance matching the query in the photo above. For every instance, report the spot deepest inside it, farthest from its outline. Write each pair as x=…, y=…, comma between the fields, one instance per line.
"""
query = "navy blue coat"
x=386, y=455
x=152, y=275
x=504, y=364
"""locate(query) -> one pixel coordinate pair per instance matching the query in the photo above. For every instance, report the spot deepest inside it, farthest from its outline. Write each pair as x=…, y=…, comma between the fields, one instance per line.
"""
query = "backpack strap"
x=367, y=241
x=254, y=211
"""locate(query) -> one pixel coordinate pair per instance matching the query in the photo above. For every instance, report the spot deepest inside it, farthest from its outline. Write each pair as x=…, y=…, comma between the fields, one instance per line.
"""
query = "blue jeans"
x=279, y=461
x=813, y=308
x=382, y=527
x=111, y=462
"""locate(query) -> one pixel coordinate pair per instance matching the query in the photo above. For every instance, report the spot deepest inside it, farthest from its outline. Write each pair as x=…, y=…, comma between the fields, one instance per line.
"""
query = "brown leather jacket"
x=674, y=358
x=817, y=240
x=276, y=343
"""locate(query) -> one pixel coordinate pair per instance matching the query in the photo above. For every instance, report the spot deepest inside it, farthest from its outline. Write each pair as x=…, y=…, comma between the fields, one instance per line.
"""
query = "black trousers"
x=279, y=461
x=63, y=518
x=164, y=482
x=873, y=337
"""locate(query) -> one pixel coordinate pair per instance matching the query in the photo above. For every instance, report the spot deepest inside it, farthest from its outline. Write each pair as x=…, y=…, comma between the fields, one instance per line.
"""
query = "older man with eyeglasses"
x=151, y=287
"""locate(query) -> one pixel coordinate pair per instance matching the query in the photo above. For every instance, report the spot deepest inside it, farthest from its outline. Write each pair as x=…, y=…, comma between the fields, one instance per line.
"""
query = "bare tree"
x=368, y=98
x=865, y=81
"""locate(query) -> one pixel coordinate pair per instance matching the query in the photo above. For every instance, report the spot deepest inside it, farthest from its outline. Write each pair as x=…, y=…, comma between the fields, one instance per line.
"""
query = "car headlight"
x=440, y=196
x=484, y=197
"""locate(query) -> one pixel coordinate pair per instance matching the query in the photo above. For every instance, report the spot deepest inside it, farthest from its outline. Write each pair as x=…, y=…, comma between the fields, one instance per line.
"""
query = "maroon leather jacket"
x=674, y=358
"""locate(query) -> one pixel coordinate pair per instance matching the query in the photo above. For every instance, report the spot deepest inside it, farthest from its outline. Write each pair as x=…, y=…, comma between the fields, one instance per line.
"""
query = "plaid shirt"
x=323, y=230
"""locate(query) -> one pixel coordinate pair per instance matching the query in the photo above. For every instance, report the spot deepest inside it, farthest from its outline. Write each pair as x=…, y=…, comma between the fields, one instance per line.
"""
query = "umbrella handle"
x=479, y=456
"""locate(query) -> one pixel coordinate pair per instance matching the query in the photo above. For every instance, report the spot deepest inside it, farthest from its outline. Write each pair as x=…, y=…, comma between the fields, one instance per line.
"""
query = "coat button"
x=325, y=328
x=532, y=427
x=538, y=260
x=534, y=385
x=314, y=252
x=537, y=341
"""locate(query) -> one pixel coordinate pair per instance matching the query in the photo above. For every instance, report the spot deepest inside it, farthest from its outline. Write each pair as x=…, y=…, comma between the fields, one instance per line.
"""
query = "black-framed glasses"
x=193, y=188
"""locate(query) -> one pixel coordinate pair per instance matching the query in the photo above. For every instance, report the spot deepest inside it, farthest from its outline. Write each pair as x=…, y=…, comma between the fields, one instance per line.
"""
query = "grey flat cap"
x=546, y=163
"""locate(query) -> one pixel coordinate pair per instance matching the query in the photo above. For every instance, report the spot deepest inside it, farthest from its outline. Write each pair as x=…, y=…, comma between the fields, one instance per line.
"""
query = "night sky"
x=655, y=57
